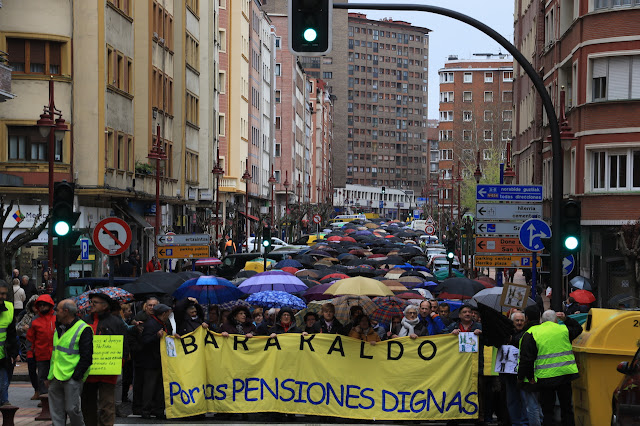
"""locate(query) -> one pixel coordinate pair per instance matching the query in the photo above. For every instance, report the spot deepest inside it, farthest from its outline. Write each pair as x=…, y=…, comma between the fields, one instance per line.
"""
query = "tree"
x=629, y=245
x=9, y=246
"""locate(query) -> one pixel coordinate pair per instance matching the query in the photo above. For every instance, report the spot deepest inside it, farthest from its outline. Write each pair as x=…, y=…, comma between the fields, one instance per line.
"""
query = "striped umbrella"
x=388, y=307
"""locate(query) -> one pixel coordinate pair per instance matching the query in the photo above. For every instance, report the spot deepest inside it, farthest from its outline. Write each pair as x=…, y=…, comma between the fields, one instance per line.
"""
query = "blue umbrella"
x=276, y=299
x=273, y=280
x=208, y=290
x=289, y=263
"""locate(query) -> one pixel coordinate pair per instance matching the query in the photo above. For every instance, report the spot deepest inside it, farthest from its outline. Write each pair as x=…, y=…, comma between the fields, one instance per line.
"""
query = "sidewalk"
x=20, y=372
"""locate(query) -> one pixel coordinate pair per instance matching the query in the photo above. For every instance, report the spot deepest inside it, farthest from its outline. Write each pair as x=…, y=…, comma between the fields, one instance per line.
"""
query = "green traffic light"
x=61, y=228
x=266, y=243
x=571, y=243
x=450, y=255
x=310, y=35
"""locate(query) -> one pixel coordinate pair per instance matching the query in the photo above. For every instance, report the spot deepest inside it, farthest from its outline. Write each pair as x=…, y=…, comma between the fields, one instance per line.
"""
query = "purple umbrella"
x=317, y=292
x=272, y=280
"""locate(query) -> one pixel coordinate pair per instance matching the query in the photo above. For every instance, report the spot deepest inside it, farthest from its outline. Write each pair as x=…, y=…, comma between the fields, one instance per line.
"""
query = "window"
x=446, y=135
x=119, y=70
x=446, y=77
x=446, y=154
x=617, y=169
x=549, y=28
x=486, y=154
x=192, y=55
x=507, y=115
x=446, y=96
x=507, y=96
x=616, y=77
x=488, y=115
x=278, y=96
x=488, y=135
x=222, y=38
x=278, y=123
x=221, y=125
x=123, y=5
x=222, y=81
x=278, y=150
x=26, y=144
x=468, y=77
x=467, y=96
x=507, y=76
x=446, y=115
x=467, y=115
x=488, y=77
x=121, y=153
x=610, y=4
x=488, y=96
x=466, y=135
x=506, y=134
x=110, y=149
x=194, y=6
x=327, y=74
x=27, y=56
x=278, y=69
x=193, y=112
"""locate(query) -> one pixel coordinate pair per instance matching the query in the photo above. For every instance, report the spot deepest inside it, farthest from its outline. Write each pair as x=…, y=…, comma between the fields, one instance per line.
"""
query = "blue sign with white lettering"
x=531, y=233
x=568, y=263
x=525, y=262
x=421, y=199
x=381, y=204
x=84, y=249
x=509, y=193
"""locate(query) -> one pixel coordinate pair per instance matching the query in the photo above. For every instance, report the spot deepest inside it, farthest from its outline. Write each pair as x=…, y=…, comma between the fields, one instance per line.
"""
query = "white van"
x=348, y=217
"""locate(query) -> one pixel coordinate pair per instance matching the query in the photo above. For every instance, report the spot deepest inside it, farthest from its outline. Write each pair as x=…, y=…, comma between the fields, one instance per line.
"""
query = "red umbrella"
x=350, y=239
x=290, y=269
x=334, y=238
x=583, y=297
x=336, y=276
x=349, y=231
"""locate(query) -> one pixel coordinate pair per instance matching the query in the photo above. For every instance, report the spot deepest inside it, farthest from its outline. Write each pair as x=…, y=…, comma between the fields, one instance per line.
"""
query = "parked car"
x=440, y=261
x=309, y=240
x=626, y=397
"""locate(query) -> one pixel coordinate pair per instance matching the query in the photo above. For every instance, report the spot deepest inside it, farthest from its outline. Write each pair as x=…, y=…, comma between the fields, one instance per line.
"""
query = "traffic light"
x=451, y=248
x=570, y=225
x=62, y=215
x=310, y=27
x=383, y=189
x=266, y=239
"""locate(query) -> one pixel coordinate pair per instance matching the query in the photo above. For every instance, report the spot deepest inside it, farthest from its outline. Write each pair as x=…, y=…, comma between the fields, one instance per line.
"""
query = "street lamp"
x=286, y=187
x=46, y=123
x=217, y=172
x=459, y=181
x=272, y=182
x=245, y=178
x=508, y=174
x=478, y=173
x=309, y=190
x=157, y=153
x=298, y=188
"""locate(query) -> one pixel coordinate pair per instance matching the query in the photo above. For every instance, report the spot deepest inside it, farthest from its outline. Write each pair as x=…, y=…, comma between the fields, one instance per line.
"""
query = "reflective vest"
x=555, y=356
x=66, y=352
x=5, y=319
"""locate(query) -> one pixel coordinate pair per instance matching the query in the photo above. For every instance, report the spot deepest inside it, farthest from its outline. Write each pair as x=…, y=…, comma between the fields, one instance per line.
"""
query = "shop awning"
x=133, y=215
x=250, y=216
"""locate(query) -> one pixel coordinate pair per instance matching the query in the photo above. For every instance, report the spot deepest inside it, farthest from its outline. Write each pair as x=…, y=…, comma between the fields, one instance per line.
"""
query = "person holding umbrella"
x=240, y=322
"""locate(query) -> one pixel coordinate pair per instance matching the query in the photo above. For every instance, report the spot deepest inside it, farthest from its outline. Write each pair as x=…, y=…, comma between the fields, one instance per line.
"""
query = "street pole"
x=246, y=177
x=217, y=172
x=272, y=181
x=286, y=211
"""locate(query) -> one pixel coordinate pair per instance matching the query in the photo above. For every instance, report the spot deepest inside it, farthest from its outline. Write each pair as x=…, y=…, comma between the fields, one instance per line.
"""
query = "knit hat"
x=532, y=313
x=160, y=309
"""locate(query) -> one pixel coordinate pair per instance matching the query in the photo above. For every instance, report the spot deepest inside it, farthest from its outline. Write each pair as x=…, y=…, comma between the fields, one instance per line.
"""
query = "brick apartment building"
x=476, y=110
x=590, y=51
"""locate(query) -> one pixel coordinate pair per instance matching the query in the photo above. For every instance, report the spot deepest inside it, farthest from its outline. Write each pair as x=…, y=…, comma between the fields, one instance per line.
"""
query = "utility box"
x=610, y=337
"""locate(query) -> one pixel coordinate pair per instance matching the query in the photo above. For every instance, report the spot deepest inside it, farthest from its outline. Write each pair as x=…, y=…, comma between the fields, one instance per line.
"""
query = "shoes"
x=39, y=404
x=5, y=403
x=146, y=415
x=161, y=417
x=36, y=395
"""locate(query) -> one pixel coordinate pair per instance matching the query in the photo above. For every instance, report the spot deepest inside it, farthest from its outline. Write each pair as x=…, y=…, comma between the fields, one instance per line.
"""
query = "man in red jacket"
x=40, y=335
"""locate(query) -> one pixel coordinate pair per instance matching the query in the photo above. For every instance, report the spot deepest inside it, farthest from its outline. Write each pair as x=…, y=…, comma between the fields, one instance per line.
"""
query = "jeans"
x=534, y=412
x=33, y=373
x=548, y=402
x=4, y=385
x=43, y=372
x=64, y=400
x=515, y=405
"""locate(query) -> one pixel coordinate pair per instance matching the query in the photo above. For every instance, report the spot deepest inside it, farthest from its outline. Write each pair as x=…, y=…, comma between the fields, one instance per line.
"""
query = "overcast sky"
x=451, y=37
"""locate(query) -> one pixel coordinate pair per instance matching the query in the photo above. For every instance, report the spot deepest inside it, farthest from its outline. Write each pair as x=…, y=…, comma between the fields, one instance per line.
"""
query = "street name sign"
x=484, y=261
x=498, y=228
x=500, y=245
x=509, y=193
x=183, y=252
x=496, y=211
x=183, y=239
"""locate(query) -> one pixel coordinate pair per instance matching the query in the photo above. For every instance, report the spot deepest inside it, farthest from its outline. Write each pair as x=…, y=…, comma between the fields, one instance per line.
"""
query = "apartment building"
x=121, y=71
x=588, y=53
x=322, y=116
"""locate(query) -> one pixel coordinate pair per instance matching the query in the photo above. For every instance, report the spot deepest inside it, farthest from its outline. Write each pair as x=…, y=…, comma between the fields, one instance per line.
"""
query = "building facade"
x=588, y=52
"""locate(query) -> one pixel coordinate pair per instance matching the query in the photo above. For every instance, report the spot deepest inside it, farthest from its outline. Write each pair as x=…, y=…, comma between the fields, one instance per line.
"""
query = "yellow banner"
x=323, y=374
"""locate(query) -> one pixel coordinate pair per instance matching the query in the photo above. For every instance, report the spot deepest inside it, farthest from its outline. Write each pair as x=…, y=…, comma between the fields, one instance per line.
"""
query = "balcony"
x=5, y=78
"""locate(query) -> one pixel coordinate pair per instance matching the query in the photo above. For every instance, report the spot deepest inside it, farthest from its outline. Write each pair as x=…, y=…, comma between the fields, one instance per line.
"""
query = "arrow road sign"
x=483, y=261
x=495, y=211
x=183, y=240
x=531, y=233
x=498, y=228
x=509, y=193
x=181, y=252
x=568, y=264
x=500, y=245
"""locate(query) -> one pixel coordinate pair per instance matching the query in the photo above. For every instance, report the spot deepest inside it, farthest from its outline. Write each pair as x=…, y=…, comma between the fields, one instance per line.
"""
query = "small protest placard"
x=107, y=355
x=507, y=360
x=515, y=295
x=467, y=342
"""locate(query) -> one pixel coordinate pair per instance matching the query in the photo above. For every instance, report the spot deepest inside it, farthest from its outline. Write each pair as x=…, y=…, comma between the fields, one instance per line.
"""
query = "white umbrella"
x=581, y=283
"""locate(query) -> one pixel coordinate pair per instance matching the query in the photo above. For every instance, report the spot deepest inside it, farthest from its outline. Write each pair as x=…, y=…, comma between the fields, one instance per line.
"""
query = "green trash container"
x=610, y=336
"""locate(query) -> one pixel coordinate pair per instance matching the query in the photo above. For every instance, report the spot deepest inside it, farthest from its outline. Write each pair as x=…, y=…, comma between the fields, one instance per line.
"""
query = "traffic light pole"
x=556, y=146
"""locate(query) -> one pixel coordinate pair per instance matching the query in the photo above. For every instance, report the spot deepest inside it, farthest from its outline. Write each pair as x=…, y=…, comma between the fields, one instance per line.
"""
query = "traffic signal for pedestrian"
x=266, y=239
x=310, y=27
x=570, y=225
x=62, y=215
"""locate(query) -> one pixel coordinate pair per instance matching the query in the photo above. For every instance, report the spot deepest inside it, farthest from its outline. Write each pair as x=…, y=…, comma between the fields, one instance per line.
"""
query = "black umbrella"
x=412, y=274
x=187, y=275
x=458, y=288
x=246, y=273
x=496, y=328
x=361, y=272
x=354, y=262
x=419, y=260
x=395, y=260
x=155, y=282
x=305, y=259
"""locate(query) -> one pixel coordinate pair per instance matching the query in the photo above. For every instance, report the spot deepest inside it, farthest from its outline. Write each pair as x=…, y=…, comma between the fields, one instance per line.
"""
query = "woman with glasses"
x=285, y=323
x=410, y=325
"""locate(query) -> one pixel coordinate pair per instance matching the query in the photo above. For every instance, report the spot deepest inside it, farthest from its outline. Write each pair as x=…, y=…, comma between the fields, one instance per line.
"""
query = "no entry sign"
x=112, y=236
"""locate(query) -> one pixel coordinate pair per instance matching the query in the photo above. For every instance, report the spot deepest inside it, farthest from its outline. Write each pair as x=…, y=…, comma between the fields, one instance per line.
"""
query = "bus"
x=348, y=217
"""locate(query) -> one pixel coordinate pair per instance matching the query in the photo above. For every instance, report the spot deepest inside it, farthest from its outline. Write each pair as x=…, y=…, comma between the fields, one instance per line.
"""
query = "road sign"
x=183, y=239
x=488, y=261
x=509, y=193
x=112, y=236
x=530, y=233
x=416, y=214
x=495, y=211
x=421, y=199
x=180, y=252
x=430, y=220
x=429, y=229
x=500, y=245
x=84, y=249
x=498, y=228
x=568, y=263
x=317, y=219
x=381, y=204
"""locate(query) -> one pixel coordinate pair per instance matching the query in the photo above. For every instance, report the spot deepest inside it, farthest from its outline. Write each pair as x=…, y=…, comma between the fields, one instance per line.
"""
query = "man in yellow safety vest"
x=8, y=343
x=70, y=361
x=547, y=361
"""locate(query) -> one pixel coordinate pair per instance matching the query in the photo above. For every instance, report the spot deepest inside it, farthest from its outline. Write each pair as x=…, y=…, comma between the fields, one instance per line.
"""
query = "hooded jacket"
x=23, y=325
x=184, y=323
x=41, y=332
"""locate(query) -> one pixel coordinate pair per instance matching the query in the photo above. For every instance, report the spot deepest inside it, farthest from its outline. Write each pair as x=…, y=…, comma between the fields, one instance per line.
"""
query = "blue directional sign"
x=531, y=233
x=381, y=204
x=568, y=263
x=421, y=199
x=84, y=249
x=509, y=193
